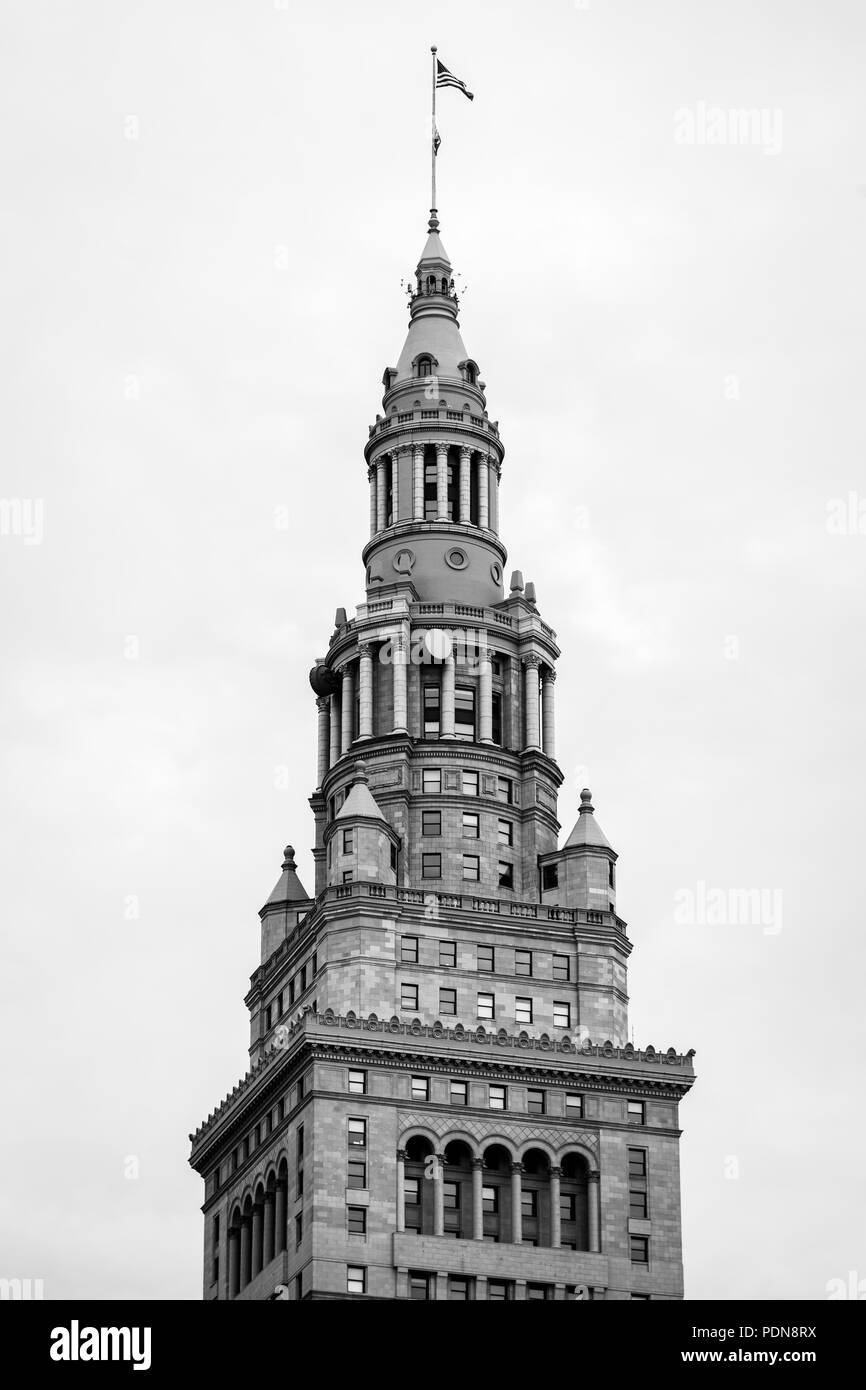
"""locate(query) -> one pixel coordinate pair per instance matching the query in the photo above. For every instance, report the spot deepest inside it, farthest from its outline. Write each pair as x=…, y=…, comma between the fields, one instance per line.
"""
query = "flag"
x=437, y=140
x=444, y=78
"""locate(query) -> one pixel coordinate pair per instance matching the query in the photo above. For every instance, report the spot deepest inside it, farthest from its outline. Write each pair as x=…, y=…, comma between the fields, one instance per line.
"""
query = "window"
x=431, y=508
x=485, y=957
x=523, y=1010
x=419, y=1286
x=561, y=969
x=431, y=779
x=490, y=1200
x=448, y=953
x=637, y=1184
x=486, y=1006
x=299, y=1285
x=460, y=1288
x=358, y=1082
x=348, y=841
x=471, y=825
x=431, y=712
x=347, y=878
x=459, y=1093
x=506, y=874
x=412, y=1192
x=409, y=949
x=636, y=1112
x=496, y=732
x=539, y=1291
x=408, y=996
x=611, y=874
x=268, y=1018
x=357, y=1220
x=506, y=832
x=451, y=1196
x=291, y=991
x=505, y=789
x=535, y=1102
x=568, y=1207
x=470, y=783
x=523, y=962
x=280, y=1004
x=420, y=1088
x=394, y=858
x=299, y=1229
x=549, y=877
x=499, y=1291
x=464, y=715
x=425, y=366
x=357, y=1134
x=639, y=1249
x=447, y=1001
x=529, y=1203
x=431, y=823
x=471, y=868
x=356, y=1278
x=641, y=1297
x=431, y=865
x=561, y=1015
x=574, y=1106
x=357, y=1173
x=497, y=1096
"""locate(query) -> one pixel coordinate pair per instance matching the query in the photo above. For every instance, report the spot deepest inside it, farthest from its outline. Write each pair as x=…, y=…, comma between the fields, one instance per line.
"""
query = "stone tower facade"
x=442, y=1101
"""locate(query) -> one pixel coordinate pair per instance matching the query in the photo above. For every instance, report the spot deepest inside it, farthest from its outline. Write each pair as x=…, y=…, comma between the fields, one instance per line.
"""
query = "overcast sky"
x=209, y=208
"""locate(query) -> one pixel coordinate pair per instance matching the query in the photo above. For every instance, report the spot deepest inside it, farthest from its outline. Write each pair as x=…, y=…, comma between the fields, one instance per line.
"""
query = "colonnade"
x=386, y=503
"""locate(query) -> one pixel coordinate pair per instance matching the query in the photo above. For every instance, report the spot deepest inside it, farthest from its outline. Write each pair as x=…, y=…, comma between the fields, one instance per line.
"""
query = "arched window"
x=431, y=284
x=457, y=1191
x=417, y=1193
x=471, y=373
x=425, y=366
x=444, y=285
x=496, y=1194
x=573, y=1203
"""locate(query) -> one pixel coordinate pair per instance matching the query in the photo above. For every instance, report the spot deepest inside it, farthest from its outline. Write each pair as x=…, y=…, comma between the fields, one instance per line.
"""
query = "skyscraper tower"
x=442, y=1101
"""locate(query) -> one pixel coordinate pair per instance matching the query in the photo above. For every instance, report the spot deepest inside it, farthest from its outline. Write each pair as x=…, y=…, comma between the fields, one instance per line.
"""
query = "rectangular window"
x=348, y=841
x=431, y=505
x=561, y=1015
x=561, y=970
x=523, y=962
x=523, y=1010
x=574, y=1106
x=506, y=874
x=356, y=1278
x=268, y=1018
x=431, y=779
x=447, y=1002
x=393, y=857
x=358, y=1082
x=639, y=1250
x=611, y=874
x=535, y=1102
x=486, y=1006
x=357, y=1133
x=431, y=865
x=419, y=1286
x=499, y=1291
x=357, y=1221
x=490, y=1200
x=357, y=1173
x=539, y=1291
x=461, y=1289
x=459, y=1092
x=529, y=1203
x=549, y=877
x=636, y=1112
x=470, y=783
x=299, y=1229
x=431, y=823
x=412, y=1192
x=451, y=1196
x=347, y=878
x=568, y=1207
x=291, y=991
x=471, y=868
x=448, y=953
x=496, y=732
x=485, y=957
x=409, y=997
x=505, y=790
x=471, y=825
x=409, y=949
x=420, y=1088
x=497, y=1097
x=637, y=1184
x=506, y=833
x=464, y=715
x=431, y=711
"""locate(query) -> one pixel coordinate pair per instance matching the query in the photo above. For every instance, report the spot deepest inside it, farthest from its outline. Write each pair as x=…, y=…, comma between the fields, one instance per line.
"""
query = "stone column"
x=439, y=1197
x=446, y=714
x=401, y=1190
x=483, y=493
x=347, y=707
x=374, y=512
x=323, y=705
x=465, y=483
x=365, y=691
x=592, y=1195
x=494, y=497
x=555, y=1213
x=530, y=701
x=418, y=500
x=548, y=717
x=381, y=494
x=234, y=1262
x=395, y=485
x=280, y=1217
x=258, y=1231
x=442, y=482
x=246, y=1252
x=485, y=692
x=268, y=1252
x=478, y=1199
x=516, y=1204
x=334, y=751
x=399, y=661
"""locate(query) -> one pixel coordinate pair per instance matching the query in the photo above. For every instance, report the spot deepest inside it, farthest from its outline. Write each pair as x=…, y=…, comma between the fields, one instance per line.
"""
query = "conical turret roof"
x=360, y=801
x=288, y=888
x=587, y=831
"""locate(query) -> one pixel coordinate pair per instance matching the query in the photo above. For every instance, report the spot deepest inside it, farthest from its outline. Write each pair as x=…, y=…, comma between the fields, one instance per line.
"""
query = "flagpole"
x=433, y=141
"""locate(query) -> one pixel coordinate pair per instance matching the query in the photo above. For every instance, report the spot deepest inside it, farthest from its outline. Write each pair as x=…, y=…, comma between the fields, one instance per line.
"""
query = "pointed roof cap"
x=288, y=888
x=360, y=801
x=587, y=831
x=433, y=248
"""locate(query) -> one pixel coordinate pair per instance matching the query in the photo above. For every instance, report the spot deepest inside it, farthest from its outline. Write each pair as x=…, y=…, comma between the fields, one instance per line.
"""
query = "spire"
x=360, y=801
x=587, y=830
x=288, y=888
